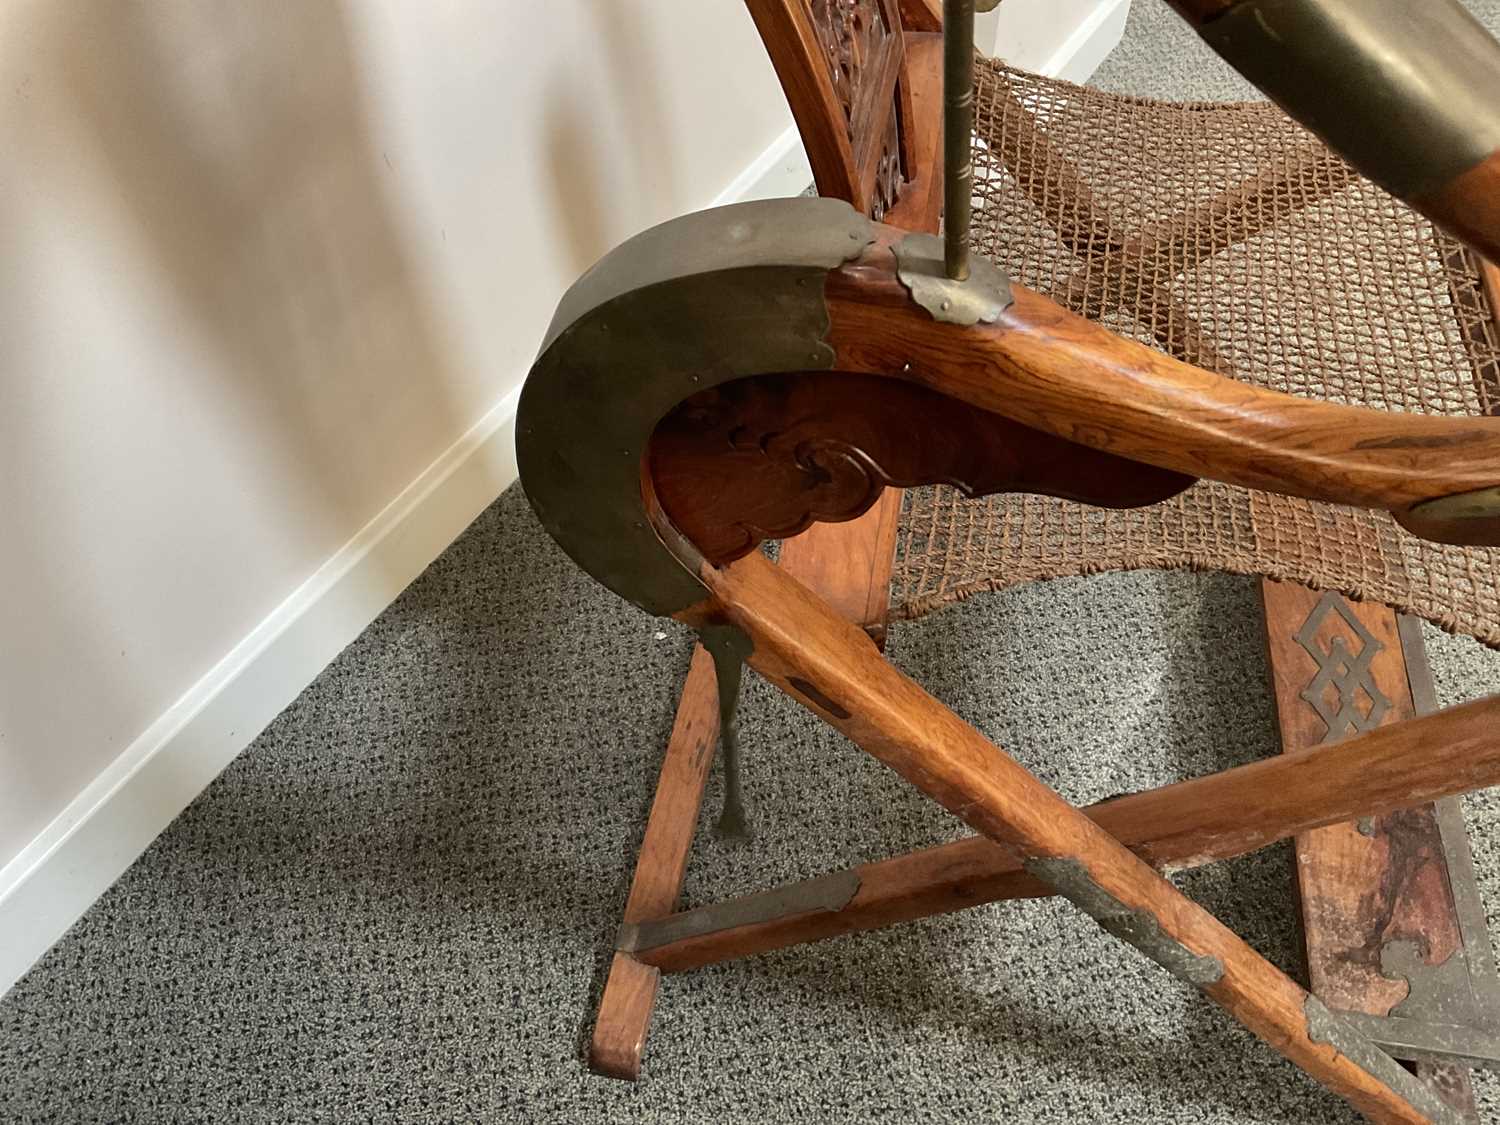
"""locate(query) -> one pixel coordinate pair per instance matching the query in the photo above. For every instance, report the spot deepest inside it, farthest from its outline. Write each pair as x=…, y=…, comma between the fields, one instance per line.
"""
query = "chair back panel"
x=843, y=67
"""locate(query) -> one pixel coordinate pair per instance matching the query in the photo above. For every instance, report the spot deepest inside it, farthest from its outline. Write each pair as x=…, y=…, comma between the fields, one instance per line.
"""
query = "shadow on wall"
x=225, y=350
x=230, y=138
x=611, y=149
x=236, y=139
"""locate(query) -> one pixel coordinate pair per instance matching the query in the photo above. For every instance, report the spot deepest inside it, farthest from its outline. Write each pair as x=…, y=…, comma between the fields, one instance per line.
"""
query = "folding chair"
x=1246, y=346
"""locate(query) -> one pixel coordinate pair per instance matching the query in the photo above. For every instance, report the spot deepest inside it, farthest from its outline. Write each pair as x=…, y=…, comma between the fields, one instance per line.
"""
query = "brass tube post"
x=958, y=133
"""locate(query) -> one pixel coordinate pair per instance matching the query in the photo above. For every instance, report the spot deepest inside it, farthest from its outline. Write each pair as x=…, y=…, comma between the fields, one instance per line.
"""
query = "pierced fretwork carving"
x=1344, y=692
x=888, y=172
x=850, y=33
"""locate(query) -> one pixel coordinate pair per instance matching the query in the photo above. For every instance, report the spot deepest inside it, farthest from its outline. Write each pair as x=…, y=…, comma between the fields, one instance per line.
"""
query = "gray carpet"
x=397, y=904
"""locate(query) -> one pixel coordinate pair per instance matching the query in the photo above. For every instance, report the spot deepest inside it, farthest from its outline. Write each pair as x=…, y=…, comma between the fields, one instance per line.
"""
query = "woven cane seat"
x=1233, y=239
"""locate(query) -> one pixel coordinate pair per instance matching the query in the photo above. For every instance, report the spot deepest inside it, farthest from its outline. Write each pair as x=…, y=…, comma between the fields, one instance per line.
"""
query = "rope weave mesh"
x=1229, y=237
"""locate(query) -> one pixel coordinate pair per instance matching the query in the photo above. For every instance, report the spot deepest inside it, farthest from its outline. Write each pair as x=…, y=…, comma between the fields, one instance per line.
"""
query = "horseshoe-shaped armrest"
x=747, y=300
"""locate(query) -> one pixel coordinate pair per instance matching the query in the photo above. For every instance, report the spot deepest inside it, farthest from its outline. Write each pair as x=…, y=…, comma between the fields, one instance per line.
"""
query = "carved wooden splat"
x=850, y=33
x=888, y=174
x=766, y=457
x=845, y=67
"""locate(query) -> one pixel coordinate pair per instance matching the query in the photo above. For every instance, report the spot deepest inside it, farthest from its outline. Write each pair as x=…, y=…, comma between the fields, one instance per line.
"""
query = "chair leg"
x=832, y=668
x=630, y=992
x=849, y=563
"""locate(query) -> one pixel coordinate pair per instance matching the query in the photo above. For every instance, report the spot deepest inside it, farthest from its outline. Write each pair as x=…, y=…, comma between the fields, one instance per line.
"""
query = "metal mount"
x=1482, y=504
x=982, y=297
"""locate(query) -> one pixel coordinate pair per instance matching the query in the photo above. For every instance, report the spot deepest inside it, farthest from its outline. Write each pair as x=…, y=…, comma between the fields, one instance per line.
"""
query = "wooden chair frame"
x=1091, y=394
x=657, y=509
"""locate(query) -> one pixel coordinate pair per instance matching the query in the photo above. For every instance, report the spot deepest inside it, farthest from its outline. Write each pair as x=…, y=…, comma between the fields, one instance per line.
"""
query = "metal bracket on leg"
x=826, y=893
x=729, y=647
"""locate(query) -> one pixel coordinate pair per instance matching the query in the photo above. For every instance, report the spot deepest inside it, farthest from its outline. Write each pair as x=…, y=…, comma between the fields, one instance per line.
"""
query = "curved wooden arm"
x=1058, y=372
x=1406, y=92
x=791, y=286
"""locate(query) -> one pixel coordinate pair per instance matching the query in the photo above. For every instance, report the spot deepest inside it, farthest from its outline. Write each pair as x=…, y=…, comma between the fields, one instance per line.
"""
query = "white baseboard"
x=781, y=170
x=49, y=885
x=1090, y=43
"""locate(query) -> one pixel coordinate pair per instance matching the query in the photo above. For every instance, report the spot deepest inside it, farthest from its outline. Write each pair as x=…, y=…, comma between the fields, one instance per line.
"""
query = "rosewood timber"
x=919, y=207
x=796, y=637
x=810, y=52
x=766, y=457
x=1363, y=885
x=630, y=991
x=849, y=564
x=791, y=40
x=1490, y=279
x=1055, y=371
x=922, y=15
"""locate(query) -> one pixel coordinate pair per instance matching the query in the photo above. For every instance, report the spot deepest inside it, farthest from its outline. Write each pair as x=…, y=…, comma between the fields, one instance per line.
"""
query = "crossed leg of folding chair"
x=1034, y=842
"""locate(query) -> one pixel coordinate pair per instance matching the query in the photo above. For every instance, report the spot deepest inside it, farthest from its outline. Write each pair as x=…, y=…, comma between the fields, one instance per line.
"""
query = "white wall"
x=270, y=274
x=260, y=264
x=1063, y=38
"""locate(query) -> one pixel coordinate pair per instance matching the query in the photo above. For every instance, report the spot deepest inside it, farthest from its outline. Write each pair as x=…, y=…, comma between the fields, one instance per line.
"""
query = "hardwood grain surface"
x=1363, y=884
x=1061, y=373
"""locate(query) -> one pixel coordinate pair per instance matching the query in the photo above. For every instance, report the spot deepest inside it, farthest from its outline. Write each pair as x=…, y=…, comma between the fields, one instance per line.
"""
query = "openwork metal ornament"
x=1345, y=670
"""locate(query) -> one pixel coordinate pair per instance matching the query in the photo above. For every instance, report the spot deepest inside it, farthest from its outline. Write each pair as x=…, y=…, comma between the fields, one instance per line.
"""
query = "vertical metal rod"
x=958, y=134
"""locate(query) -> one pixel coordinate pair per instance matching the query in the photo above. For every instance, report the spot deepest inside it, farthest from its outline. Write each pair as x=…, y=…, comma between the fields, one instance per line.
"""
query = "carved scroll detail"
x=766, y=457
